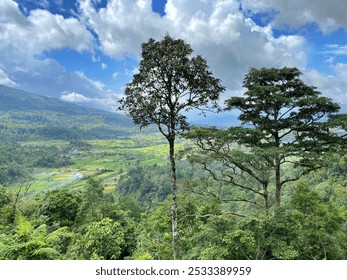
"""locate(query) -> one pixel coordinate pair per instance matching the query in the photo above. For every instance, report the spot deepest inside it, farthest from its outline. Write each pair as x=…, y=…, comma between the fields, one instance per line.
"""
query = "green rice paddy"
x=102, y=160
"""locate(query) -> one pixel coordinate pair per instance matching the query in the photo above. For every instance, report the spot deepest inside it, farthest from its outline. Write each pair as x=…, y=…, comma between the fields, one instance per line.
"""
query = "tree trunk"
x=266, y=197
x=174, y=200
x=278, y=182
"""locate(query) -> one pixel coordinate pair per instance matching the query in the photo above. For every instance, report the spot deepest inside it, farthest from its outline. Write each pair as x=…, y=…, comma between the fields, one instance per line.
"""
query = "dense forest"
x=133, y=220
x=273, y=188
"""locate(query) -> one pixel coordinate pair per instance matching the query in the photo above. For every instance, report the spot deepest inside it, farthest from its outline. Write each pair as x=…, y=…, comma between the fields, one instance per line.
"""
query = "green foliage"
x=204, y=226
x=170, y=81
x=247, y=240
x=154, y=235
x=201, y=225
x=320, y=234
x=60, y=206
x=97, y=206
x=146, y=184
x=93, y=199
x=307, y=228
x=29, y=243
x=4, y=196
x=99, y=241
x=339, y=121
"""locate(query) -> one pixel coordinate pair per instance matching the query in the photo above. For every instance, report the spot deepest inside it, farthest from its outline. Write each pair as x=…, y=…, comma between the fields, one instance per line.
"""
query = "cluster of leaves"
x=63, y=224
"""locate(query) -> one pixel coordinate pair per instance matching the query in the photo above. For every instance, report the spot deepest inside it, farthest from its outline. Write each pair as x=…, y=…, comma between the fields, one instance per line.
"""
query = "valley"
x=102, y=160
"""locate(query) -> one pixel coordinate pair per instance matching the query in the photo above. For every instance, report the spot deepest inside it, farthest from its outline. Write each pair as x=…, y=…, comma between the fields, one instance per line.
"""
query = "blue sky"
x=85, y=51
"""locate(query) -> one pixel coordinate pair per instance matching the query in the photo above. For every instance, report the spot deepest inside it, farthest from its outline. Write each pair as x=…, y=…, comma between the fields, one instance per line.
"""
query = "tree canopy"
x=284, y=122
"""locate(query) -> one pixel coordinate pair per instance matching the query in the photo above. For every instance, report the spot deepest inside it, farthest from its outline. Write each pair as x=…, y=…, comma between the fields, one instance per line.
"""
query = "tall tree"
x=284, y=123
x=170, y=82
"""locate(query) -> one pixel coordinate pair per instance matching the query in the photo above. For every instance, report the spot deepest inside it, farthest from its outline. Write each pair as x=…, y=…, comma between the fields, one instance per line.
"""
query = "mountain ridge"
x=12, y=94
x=29, y=116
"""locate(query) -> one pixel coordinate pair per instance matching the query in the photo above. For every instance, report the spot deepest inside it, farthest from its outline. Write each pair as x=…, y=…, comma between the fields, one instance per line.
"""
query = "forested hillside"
x=27, y=116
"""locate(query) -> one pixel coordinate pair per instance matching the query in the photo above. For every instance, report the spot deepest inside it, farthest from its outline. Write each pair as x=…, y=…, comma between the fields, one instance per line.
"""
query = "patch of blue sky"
x=113, y=73
x=26, y=6
x=100, y=4
x=326, y=50
x=158, y=6
x=322, y=50
x=262, y=18
x=66, y=8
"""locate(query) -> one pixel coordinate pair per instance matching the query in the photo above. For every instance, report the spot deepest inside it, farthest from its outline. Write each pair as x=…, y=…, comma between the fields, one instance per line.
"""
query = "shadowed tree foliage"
x=170, y=82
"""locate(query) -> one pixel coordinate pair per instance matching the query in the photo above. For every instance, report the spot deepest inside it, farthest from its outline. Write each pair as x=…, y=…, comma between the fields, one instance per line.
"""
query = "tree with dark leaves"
x=170, y=83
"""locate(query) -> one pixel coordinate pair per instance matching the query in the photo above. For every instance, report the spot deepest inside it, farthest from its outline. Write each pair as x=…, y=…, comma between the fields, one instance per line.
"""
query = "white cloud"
x=333, y=86
x=10, y=14
x=328, y=15
x=103, y=66
x=74, y=97
x=217, y=30
x=231, y=42
x=335, y=49
x=5, y=80
x=54, y=31
x=41, y=30
x=109, y=101
x=122, y=26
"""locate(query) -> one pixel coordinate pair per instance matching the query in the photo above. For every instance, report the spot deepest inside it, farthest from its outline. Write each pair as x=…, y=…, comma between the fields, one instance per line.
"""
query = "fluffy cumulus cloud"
x=217, y=30
x=334, y=86
x=9, y=13
x=230, y=41
x=122, y=25
x=328, y=15
x=222, y=31
x=24, y=38
x=41, y=30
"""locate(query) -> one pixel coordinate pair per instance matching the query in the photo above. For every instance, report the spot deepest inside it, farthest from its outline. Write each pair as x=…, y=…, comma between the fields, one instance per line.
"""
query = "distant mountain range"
x=27, y=116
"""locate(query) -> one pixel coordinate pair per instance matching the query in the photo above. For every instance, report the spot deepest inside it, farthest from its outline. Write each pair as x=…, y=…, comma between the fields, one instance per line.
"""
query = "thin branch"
x=215, y=215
